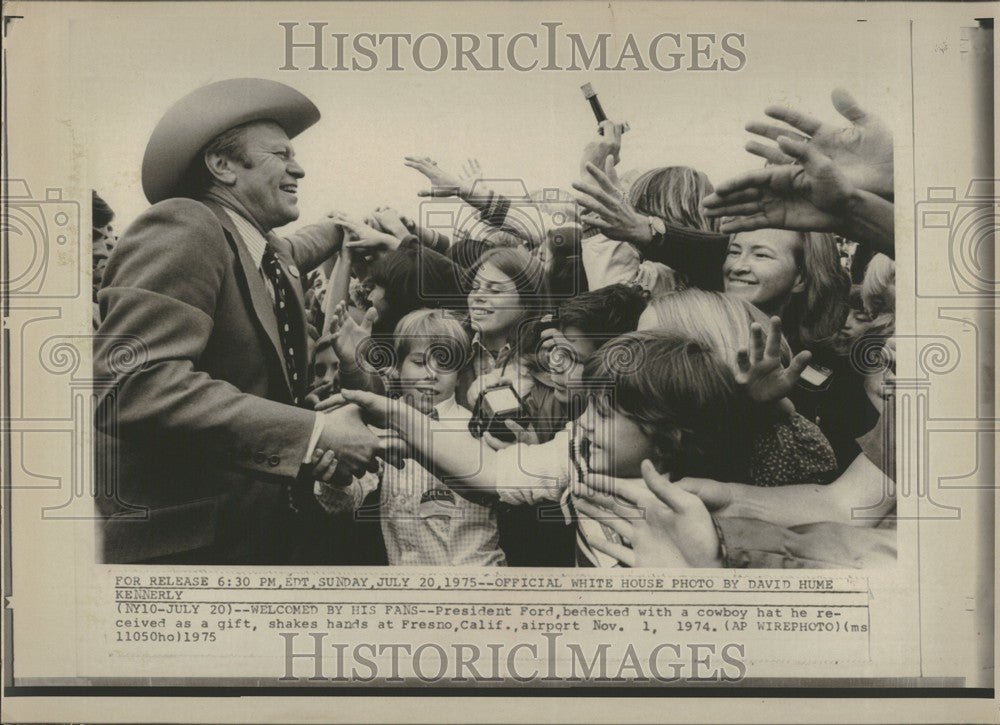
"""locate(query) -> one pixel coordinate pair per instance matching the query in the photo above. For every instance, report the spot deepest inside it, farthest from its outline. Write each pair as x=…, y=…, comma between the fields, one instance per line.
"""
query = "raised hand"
x=366, y=238
x=761, y=372
x=812, y=195
x=665, y=525
x=391, y=221
x=347, y=334
x=443, y=183
x=607, y=207
x=607, y=142
x=862, y=150
x=471, y=173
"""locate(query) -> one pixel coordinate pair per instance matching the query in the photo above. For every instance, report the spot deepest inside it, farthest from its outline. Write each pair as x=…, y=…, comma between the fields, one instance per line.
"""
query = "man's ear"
x=221, y=168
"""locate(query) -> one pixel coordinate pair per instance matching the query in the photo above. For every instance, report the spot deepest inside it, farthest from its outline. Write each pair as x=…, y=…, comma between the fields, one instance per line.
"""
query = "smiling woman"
x=795, y=275
x=508, y=288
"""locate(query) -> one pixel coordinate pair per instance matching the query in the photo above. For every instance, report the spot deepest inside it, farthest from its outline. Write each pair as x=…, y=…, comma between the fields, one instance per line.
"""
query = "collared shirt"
x=425, y=523
x=255, y=242
x=256, y=245
x=484, y=361
x=488, y=369
x=530, y=474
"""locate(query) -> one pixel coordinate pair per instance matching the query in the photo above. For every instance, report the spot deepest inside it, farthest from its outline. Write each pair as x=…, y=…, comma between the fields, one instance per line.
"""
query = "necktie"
x=434, y=415
x=282, y=311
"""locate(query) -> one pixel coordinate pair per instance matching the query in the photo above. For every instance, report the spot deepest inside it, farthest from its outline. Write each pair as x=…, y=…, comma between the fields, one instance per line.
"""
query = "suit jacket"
x=196, y=431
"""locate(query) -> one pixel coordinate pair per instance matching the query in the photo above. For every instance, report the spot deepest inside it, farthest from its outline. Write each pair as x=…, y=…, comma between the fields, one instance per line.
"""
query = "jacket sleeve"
x=755, y=544
x=158, y=301
x=311, y=245
x=697, y=255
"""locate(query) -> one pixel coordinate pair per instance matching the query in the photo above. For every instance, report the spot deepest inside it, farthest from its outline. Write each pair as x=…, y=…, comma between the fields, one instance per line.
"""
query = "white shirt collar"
x=477, y=342
x=255, y=242
x=444, y=407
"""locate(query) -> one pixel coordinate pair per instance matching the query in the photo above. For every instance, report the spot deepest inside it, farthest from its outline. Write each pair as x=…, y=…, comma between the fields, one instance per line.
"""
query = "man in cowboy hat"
x=202, y=344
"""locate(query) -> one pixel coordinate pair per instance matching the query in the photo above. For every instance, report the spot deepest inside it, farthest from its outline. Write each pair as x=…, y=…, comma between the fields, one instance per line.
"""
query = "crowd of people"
x=655, y=371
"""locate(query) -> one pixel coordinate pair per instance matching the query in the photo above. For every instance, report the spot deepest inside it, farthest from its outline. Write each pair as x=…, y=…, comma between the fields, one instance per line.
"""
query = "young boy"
x=424, y=521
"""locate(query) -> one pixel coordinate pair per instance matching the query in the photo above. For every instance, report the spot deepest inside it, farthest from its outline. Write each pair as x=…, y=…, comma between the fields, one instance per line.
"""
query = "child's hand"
x=391, y=221
x=324, y=465
x=349, y=335
x=761, y=371
x=367, y=238
x=317, y=395
x=607, y=142
x=661, y=521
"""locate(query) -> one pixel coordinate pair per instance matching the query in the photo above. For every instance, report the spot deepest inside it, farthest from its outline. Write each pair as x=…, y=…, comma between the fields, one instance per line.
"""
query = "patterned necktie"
x=282, y=301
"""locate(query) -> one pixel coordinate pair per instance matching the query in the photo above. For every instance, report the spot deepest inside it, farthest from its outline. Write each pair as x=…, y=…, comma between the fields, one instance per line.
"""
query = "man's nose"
x=295, y=169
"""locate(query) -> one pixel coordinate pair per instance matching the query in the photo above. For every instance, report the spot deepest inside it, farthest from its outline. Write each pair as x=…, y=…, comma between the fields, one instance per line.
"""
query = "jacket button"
x=259, y=457
x=273, y=461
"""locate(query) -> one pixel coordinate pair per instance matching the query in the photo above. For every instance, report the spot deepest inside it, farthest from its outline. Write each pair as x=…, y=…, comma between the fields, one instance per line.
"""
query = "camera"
x=43, y=242
x=494, y=407
x=957, y=234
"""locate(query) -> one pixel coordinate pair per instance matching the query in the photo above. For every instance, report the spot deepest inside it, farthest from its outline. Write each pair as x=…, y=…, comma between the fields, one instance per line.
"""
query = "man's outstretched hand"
x=862, y=150
x=811, y=195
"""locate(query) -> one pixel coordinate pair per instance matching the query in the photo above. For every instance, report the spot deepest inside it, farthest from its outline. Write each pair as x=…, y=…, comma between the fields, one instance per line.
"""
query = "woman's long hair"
x=814, y=316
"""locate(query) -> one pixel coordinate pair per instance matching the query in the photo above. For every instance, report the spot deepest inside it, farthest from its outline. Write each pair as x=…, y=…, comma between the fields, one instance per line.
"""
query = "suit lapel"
x=254, y=289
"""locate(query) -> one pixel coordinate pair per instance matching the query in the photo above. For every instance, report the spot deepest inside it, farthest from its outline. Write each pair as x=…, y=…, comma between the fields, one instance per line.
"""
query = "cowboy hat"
x=203, y=114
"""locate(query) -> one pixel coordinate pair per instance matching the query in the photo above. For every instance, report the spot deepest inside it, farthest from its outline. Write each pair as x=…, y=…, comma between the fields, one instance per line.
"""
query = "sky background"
x=130, y=62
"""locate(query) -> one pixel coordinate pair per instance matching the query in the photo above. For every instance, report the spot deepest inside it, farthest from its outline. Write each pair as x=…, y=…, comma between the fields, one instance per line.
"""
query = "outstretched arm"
x=448, y=452
x=858, y=497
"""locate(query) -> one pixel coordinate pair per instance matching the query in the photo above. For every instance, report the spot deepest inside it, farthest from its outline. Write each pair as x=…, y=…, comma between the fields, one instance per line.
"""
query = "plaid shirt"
x=425, y=523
